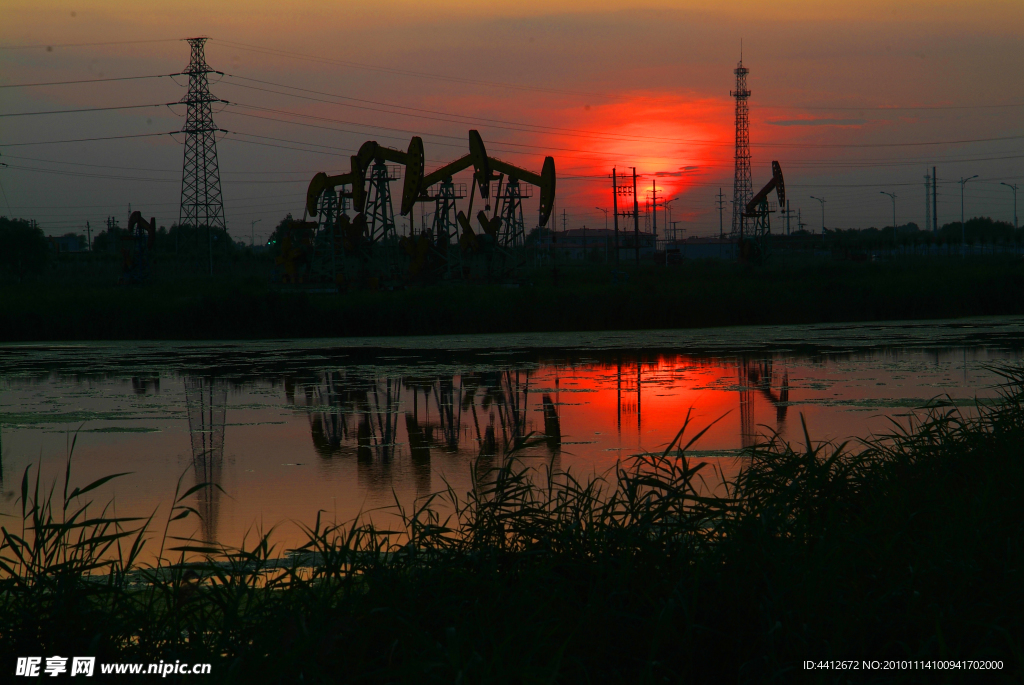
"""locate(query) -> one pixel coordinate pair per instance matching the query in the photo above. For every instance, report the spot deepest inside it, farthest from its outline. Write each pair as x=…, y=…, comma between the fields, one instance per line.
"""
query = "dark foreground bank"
x=903, y=552
x=581, y=298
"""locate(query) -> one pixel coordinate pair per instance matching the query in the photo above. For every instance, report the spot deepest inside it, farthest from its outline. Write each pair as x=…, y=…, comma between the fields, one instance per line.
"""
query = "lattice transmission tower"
x=742, y=189
x=201, y=201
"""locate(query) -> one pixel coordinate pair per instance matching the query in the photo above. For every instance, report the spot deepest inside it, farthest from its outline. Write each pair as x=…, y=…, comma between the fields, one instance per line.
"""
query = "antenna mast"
x=742, y=186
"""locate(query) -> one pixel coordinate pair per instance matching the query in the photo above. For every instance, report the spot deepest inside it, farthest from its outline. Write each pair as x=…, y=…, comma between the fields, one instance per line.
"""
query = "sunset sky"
x=852, y=98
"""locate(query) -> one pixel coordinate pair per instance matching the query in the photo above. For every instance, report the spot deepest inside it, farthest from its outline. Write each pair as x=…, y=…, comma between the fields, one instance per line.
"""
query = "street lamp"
x=602, y=209
x=1014, y=189
x=252, y=232
x=963, y=229
x=822, y=201
x=893, y=196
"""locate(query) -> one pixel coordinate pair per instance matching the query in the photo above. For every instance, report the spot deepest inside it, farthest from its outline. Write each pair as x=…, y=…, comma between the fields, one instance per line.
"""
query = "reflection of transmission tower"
x=747, y=376
x=742, y=186
x=207, y=409
x=201, y=202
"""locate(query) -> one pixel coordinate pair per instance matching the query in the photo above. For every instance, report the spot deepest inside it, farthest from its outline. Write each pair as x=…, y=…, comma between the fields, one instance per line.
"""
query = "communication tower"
x=742, y=186
x=201, y=201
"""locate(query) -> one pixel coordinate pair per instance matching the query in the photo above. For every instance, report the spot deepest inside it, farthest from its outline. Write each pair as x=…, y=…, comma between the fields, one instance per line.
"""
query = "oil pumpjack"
x=135, y=248
x=370, y=235
x=755, y=247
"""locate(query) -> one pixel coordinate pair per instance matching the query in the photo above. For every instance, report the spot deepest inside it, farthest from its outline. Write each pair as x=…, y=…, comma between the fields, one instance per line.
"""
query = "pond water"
x=290, y=427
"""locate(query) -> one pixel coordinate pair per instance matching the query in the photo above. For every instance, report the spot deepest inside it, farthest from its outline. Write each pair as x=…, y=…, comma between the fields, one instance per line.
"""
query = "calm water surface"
x=288, y=427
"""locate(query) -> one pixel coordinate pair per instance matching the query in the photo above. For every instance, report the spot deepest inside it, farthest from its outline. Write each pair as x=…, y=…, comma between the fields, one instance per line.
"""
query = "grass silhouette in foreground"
x=907, y=546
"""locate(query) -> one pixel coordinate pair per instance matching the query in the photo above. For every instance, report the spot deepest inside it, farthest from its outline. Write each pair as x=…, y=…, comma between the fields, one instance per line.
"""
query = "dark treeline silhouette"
x=175, y=240
x=979, y=230
x=24, y=249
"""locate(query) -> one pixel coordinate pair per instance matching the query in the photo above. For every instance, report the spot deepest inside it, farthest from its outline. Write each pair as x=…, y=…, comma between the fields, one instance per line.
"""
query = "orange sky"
x=839, y=90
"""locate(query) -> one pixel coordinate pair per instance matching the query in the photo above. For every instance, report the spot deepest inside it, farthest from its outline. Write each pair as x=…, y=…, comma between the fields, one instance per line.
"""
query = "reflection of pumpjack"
x=758, y=376
x=507, y=392
x=552, y=425
x=755, y=247
x=513, y=400
x=328, y=422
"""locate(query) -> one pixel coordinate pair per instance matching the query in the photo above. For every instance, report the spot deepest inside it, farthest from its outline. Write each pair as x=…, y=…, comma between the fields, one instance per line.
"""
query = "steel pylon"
x=201, y=201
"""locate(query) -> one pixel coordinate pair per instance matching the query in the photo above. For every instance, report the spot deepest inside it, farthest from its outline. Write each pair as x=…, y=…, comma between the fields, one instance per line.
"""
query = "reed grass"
x=905, y=546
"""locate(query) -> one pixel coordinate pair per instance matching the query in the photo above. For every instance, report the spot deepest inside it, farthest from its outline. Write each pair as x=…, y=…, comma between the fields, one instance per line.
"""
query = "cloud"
x=817, y=122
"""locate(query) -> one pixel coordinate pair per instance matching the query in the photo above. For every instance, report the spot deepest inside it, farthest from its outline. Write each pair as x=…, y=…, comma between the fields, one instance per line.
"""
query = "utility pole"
x=789, y=215
x=654, y=211
x=615, y=213
x=1014, y=189
x=927, y=200
x=252, y=232
x=893, y=196
x=721, y=208
x=935, y=202
x=88, y=228
x=600, y=209
x=636, y=220
x=963, y=227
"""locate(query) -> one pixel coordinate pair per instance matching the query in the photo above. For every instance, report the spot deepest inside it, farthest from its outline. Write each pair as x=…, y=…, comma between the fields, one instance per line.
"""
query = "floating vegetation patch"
x=878, y=403
x=28, y=419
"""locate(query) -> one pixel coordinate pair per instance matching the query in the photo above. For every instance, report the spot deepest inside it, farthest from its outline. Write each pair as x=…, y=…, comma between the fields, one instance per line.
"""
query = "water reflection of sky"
x=288, y=428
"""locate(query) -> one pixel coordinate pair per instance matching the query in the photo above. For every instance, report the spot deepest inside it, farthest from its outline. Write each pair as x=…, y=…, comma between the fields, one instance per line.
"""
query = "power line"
x=563, y=149
x=132, y=168
x=406, y=72
x=80, y=45
x=92, y=175
x=420, y=113
x=894, y=108
x=91, y=80
x=89, y=140
x=85, y=109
